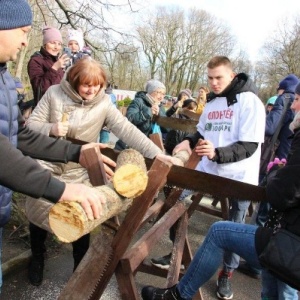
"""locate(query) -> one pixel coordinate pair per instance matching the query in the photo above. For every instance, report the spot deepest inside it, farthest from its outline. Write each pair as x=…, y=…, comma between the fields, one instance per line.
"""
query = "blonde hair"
x=204, y=88
x=203, y=98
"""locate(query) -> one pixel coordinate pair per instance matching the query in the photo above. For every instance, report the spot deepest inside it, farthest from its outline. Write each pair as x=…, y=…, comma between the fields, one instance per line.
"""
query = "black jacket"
x=283, y=193
x=174, y=137
x=18, y=171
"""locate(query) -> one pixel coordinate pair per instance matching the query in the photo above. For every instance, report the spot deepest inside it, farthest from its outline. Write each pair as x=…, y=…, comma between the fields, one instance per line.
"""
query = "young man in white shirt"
x=231, y=129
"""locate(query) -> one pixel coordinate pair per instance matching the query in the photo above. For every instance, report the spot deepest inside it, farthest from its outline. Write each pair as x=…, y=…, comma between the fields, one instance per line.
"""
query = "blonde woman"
x=201, y=99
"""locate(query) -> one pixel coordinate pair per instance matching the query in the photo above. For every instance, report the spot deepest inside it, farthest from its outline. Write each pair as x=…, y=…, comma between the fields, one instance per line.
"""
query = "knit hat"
x=186, y=92
x=153, y=85
x=288, y=84
x=76, y=35
x=272, y=100
x=297, y=89
x=51, y=34
x=14, y=14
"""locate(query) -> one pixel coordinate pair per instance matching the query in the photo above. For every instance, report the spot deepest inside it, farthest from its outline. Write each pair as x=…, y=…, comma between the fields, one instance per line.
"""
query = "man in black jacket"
x=18, y=171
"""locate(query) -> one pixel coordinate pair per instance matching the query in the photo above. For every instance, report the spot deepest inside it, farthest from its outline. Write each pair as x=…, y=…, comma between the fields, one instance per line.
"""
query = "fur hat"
x=153, y=85
x=14, y=14
x=51, y=34
x=288, y=84
x=76, y=35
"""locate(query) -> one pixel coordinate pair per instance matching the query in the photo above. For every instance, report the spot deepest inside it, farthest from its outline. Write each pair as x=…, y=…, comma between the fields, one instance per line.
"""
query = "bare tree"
x=91, y=16
x=178, y=45
x=280, y=55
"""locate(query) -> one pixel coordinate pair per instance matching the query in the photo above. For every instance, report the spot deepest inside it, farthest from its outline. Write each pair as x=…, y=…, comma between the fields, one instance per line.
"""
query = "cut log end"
x=67, y=219
x=130, y=180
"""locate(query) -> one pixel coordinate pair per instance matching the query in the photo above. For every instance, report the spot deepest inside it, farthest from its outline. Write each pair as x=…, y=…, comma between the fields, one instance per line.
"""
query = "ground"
x=15, y=239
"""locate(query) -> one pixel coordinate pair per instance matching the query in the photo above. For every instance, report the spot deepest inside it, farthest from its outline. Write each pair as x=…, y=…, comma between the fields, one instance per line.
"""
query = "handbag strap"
x=286, y=106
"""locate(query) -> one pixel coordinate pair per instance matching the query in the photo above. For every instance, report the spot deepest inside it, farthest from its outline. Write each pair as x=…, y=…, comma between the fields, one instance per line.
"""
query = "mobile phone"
x=67, y=51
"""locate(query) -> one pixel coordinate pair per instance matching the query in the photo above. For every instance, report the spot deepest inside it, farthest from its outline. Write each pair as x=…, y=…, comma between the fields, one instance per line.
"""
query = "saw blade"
x=186, y=125
x=203, y=182
x=91, y=269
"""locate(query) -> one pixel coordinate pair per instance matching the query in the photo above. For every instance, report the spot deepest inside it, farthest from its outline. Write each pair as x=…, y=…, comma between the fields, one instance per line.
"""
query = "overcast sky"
x=251, y=21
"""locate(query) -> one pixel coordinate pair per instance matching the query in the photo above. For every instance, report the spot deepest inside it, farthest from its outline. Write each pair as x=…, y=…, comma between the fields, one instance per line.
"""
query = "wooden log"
x=130, y=179
x=183, y=156
x=189, y=161
x=69, y=222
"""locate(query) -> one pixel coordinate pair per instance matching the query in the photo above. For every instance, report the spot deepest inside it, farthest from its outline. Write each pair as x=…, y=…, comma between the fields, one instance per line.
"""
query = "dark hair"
x=219, y=61
x=86, y=71
x=189, y=104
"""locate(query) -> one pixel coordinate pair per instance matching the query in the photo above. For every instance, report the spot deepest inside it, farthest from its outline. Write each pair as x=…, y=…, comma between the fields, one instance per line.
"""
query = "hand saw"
x=101, y=260
x=201, y=182
x=186, y=125
x=192, y=115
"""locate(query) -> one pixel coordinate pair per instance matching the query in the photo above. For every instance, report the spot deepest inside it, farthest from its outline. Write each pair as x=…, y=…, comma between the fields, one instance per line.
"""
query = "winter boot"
x=36, y=269
x=36, y=265
x=153, y=293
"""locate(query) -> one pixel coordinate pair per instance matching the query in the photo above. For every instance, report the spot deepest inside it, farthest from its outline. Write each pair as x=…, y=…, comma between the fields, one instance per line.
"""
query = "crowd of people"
x=70, y=88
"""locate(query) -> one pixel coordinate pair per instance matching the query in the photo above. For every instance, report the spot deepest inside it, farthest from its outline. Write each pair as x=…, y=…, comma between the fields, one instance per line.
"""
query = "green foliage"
x=127, y=101
x=124, y=103
x=120, y=103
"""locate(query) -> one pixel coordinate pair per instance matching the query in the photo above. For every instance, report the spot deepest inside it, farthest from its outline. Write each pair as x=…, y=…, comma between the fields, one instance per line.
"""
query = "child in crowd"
x=76, y=45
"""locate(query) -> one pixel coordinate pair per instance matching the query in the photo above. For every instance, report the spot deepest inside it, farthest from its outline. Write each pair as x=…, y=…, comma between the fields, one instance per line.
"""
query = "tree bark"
x=69, y=222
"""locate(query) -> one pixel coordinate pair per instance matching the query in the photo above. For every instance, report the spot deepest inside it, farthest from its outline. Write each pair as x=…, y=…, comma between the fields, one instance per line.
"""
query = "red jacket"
x=41, y=73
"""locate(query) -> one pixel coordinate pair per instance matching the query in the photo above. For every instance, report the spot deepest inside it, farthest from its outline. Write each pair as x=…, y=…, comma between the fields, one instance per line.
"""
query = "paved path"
x=58, y=269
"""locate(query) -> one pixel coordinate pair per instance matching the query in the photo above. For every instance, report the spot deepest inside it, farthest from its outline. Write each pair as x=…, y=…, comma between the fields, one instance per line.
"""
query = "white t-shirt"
x=222, y=125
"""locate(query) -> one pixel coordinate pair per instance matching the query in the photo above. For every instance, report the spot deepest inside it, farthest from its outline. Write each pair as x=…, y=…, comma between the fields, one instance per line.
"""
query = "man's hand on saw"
x=107, y=162
x=90, y=199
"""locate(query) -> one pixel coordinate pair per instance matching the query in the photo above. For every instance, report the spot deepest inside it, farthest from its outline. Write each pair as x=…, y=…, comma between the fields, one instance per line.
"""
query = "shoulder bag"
x=282, y=257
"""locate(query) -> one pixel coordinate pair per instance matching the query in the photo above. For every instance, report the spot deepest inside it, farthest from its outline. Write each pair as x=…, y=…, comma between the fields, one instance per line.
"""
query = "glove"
x=276, y=162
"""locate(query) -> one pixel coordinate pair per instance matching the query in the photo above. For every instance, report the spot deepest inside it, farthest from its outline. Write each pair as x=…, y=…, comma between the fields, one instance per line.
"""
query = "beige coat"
x=86, y=119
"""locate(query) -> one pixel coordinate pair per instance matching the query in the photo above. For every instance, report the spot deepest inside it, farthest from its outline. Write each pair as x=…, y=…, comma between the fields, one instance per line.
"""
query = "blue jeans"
x=222, y=236
x=274, y=289
x=237, y=213
x=104, y=136
x=0, y=259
